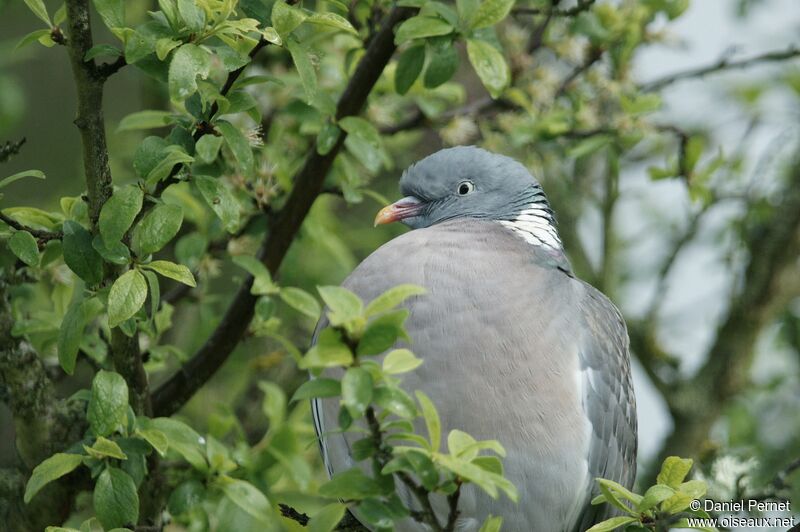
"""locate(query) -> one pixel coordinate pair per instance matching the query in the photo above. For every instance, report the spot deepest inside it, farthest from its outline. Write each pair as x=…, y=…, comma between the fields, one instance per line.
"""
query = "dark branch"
x=308, y=185
x=10, y=148
x=44, y=236
x=580, y=7
x=89, y=87
x=723, y=64
x=290, y=513
x=106, y=70
x=594, y=55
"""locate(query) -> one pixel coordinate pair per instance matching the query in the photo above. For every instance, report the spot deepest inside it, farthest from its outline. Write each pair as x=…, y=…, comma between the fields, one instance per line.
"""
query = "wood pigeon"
x=515, y=347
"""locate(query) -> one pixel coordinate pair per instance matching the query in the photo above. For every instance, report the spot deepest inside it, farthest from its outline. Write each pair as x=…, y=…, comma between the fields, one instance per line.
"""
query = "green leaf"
x=119, y=212
x=188, y=62
x=421, y=26
x=126, y=297
x=613, y=491
x=655, y=495
x=492, y=524
x=270, y=34
x=164, y=46
x=329, y=351
x=612, y=524
x=70, y=334
x=490, y=12
x=432, y=422
x=145, y=120
x=36, y=35
x=157, y=440
x=116, y=252
x=326, y=519
x=24, y=246
x=305, y=68
x=38, y=174
x=192, y=15
x=286, y=18
x=116, y=502
x=49, y=470
x=102, y=50
x=79, y=254
x=169, y=157
x=357, y=390
x=111, y=11
x=589, y=146
x=248, y=498
x=238, y=145
x=108, y=408
x=673, y=471
x=178, y=272
x=301, y=301
x=332, y=20
x=221, y=201
x=396, y=401
x=105, y=448
x=207, y=148
x=327, y=137
x=352, y=484
x=320, y=387
x=400, y=361
x=487, y=481
x=37, y=6
x=382, y=333
x=363, y=141
x=262, y=283
x=343, y=305
x=408, y=68
x=181, y=437
x=677, y=503
x=156, y=229
x=490, y=65
x=442, y=65
x=392, y=298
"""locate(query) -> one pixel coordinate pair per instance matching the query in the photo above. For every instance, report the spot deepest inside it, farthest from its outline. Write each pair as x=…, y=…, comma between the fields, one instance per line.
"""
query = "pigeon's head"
x=463, y=182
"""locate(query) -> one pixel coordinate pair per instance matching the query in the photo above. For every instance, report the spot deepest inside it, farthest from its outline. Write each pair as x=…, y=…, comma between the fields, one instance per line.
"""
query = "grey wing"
x=608, y=399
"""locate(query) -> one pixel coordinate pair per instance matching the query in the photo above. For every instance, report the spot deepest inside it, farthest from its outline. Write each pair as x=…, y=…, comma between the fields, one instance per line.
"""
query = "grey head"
x=469, y=182
x=465, y=182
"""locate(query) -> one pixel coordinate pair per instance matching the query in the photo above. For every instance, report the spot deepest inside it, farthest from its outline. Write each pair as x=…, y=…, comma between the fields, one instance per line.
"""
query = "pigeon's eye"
x=465, y=187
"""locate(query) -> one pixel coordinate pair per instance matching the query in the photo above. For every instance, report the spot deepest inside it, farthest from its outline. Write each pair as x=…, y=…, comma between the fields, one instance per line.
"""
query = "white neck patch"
x=535, y=224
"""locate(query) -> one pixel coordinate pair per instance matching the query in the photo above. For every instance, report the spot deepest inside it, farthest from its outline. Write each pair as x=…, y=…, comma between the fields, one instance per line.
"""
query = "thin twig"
x=594, y=55
x=308, y=185
x=580, y=7
x=290, y=513
x=10, y=148
x=106, y=70
x=722, y=64
x=44, y=236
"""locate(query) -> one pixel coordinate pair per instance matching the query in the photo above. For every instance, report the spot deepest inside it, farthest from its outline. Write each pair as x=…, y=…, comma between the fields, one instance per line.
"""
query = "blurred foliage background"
x=676, y=184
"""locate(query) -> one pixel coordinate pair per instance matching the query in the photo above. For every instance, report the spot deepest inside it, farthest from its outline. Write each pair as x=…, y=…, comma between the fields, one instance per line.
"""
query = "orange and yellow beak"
x=399, y=210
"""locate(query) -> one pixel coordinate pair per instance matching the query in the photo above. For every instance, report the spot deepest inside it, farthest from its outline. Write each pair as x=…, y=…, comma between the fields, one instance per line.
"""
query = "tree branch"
x=171, y=395
x=580, y=7
x=725, y=63
x=89, y=88
x=38, y=233
x=593, y=56
x=10, y=148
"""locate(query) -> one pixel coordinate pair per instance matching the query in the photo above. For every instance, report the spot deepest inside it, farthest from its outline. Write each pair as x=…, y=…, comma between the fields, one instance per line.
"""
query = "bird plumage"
x=515, y=348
